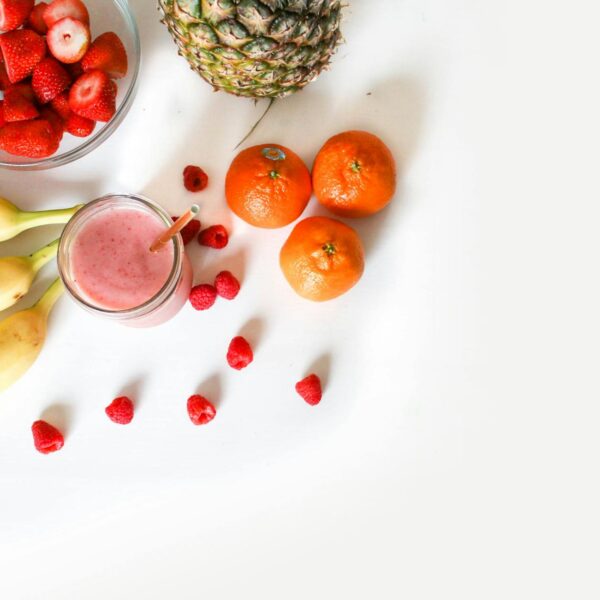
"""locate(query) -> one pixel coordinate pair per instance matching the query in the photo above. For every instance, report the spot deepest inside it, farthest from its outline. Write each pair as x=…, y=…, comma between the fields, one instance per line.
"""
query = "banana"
x=18, y=272
x=22, y=336
x=13, y=220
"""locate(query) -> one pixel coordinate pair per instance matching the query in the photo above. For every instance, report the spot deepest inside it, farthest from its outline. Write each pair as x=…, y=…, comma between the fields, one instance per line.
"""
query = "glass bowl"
x=105, y=15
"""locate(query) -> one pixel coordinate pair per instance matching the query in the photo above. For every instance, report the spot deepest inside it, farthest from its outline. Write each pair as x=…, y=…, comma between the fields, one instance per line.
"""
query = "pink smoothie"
x=111, y=262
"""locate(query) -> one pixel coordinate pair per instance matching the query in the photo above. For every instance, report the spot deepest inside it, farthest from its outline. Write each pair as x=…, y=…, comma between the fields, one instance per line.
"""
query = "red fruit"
x=59, y=9
x=227, y=285
x=240, y=354
x=214, y=237
x=108, y=54
x=4, y=80
x=33, y=139
x=36, y=19
x=22, y=51
x=120, y=410
x=17, y=107
x=68, y=40
x=190, y=231
x=201, y=411
x=13, y=13
x=61, y=105
x=25, y=90
x=74, y=70
x=46, y=438
x=94, y=96
x=194, y=179
x=2, y=120
x=310, y=389
x=49, y=80
x=79, y=126
x=55, y=121
x=203, y=296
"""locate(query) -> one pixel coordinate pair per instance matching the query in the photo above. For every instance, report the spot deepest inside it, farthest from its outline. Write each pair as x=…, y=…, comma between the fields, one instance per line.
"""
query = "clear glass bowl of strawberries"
x=68, y=73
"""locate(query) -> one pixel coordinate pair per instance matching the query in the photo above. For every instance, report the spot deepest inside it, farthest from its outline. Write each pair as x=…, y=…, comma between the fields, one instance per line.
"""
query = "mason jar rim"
x=70, y=233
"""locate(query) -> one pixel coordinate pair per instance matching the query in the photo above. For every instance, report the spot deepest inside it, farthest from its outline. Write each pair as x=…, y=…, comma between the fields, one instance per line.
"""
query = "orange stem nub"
x=169, y=234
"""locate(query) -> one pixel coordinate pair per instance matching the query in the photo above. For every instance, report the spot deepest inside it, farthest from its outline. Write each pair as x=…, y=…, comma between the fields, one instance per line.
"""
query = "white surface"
x=455, y=454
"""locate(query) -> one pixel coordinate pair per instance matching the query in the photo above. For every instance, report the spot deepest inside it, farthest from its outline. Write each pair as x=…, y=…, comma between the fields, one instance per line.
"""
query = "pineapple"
x=255, y=48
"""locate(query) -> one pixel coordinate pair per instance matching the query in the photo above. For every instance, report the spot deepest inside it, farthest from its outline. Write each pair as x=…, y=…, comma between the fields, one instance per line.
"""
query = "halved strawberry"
x=34, y=139
x=55, y=121
x=36, y=19
x=59, y=9
x=68, y=40
x=17, y=107
x=2, y=121
x=60, y=105
x=108, y=54
x=13, y=13
x=22, y=51
x=94, y=96
x=79, y=126
x=49, y=80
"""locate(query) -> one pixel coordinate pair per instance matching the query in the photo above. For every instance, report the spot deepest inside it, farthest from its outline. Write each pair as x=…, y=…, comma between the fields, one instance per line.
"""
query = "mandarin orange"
x=322, y=259
x=268, y=186
x=354, y=174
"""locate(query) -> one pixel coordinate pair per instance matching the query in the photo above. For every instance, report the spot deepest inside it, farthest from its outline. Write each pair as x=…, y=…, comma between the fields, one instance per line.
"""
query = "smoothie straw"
x=170, y=233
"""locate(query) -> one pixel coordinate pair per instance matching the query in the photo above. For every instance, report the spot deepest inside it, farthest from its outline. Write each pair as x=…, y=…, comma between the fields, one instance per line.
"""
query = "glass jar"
x=156, y=310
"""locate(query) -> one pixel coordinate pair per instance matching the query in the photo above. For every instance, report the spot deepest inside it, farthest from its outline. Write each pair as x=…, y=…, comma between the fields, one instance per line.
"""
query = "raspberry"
x=190, y=231
x=194, y=178
x=310, y=389
x=227, y=285
x=240, y=354
x=120, y=410
x=201, y=411
x=46, y=437
x=203, y=296
x=214, y=237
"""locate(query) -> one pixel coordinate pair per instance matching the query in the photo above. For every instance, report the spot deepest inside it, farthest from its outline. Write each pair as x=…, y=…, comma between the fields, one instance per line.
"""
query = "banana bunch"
x=22, y=335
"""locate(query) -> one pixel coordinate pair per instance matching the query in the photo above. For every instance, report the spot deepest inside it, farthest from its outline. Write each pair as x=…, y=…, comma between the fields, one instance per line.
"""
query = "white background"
x=455, y=453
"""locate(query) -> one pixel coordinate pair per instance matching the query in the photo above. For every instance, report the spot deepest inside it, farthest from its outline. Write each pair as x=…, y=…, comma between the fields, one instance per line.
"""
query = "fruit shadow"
x=254, y=331
x=60, y=415
x=133, y=390
x=322, y=368
x=212, y=389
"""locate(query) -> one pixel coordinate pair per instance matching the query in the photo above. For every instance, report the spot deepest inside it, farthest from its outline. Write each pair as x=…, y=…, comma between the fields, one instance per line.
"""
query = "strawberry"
x=60, y=105
x=13, y=13
x=93, y=96
x=108, y=54
x=25, y=90
x=4, y=80
x=68, y=40
x=59, y=9
x=33, y=139
x=49, y=80
x=75, y=70
x=17, y=107
x=2, y=120
x=79, y=126
x=55, y=121
x=36, y=19
x=22, y=51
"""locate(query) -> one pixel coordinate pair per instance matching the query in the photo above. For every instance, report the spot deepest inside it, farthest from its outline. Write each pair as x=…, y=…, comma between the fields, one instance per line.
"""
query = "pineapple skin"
x=255, y=48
